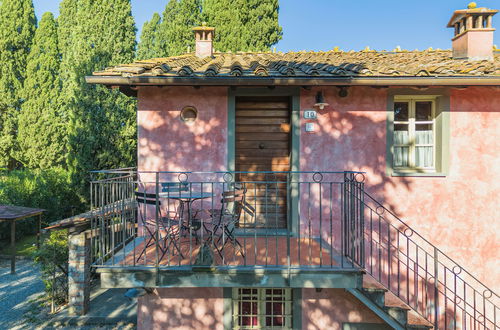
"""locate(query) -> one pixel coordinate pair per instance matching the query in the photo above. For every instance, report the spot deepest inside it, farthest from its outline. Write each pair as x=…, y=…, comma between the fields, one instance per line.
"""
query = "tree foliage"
x=243, y=25
x=227, y=17
x=17, y=27
x=102, y=131
x=149, y=44
x=41, y=132
x=175, y=34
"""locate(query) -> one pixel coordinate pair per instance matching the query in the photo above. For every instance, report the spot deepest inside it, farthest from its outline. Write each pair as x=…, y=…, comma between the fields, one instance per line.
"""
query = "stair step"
x=398, y=313
x=417, y=327
x=416, y=321
x=376, y=295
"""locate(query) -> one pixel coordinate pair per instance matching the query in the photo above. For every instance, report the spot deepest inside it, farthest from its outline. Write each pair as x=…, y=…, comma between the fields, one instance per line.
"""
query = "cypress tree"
x=227, y=17
x=262, y=29
x=17, y=26
x=41, y=130
x=243, y=25
x=175, y=34
x=102, y=131
x=148, y=46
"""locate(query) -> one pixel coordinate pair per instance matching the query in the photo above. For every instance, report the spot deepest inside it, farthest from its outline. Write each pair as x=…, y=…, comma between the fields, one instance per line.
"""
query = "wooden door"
x=263, y=144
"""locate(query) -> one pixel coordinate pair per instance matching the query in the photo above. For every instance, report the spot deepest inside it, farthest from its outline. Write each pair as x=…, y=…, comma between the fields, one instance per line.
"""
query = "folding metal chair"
x=170, y=226
x=225, y=220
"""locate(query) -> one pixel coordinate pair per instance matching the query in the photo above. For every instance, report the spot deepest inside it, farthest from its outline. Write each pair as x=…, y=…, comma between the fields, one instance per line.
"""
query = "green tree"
x=227, y=17
x=41, y=129
x=148, y=45
x=243, y=25
x=17, y=27
x=101, y=130
x=262, y=29
x=175, y=34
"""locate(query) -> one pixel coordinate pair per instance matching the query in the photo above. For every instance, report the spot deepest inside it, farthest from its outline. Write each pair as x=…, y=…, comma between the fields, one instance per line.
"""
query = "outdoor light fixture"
x=320, y=101
x=343, y=92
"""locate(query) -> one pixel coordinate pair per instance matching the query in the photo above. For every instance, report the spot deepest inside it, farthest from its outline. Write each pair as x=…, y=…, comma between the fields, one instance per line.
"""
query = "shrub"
x=47, y=189
x=53, y=260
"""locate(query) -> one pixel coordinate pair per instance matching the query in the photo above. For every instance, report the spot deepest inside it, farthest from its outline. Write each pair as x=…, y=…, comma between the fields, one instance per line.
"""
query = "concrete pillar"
x=79, y=273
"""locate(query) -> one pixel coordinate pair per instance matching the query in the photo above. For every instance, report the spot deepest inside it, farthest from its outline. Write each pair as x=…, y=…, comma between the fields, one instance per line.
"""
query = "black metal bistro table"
x=12, y=214
x=186, y=198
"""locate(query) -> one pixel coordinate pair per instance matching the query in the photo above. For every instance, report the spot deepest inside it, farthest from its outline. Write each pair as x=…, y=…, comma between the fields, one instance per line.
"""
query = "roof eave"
x=296, y=81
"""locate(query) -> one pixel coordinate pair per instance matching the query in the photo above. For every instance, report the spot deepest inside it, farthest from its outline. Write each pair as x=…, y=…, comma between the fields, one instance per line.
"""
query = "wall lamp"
x=320, y=101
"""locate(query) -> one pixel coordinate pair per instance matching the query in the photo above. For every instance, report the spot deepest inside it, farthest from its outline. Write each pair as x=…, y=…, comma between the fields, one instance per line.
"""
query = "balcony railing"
x=279, y=221
x=227, y=219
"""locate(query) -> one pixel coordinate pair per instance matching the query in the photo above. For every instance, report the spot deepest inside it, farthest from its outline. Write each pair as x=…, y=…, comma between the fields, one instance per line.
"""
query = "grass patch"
x=25, y=246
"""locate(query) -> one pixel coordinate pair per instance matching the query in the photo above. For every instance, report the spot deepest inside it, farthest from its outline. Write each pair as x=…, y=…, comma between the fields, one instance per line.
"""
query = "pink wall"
x=457, y=213
x=329, y=308
x=203, y=308
x=185, y=308
x=168, y=144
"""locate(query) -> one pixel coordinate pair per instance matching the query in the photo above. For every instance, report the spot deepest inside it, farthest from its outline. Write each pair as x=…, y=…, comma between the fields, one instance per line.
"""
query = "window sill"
x=419, y=174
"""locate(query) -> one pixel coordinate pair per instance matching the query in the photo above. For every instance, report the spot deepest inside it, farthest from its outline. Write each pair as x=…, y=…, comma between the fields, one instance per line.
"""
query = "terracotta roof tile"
x=366, y=63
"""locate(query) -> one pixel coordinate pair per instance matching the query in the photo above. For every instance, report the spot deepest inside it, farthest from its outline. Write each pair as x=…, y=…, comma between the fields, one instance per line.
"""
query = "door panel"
x=263, y=144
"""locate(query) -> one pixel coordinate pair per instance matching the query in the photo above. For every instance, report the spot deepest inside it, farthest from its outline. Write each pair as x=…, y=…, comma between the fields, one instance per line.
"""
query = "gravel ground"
x=21, y=296
x=16, y=292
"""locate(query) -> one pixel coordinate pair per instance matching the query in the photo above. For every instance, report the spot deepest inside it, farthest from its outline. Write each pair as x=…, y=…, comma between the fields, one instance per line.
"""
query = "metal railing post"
x=436, y=289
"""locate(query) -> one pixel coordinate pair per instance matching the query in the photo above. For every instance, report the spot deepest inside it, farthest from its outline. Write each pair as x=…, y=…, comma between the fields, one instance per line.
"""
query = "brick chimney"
x=204, y=40
x=473, y=38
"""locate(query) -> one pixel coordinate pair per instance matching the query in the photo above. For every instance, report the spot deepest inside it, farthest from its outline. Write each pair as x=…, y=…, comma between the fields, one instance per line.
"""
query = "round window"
x=189, y=114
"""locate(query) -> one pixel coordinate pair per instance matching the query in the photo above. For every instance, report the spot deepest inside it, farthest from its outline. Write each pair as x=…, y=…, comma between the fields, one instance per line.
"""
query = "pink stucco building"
x=310, y=190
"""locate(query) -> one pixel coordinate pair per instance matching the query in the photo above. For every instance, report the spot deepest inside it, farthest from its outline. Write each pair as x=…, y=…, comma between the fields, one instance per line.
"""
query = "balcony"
x=272, y=229
x=286, y=228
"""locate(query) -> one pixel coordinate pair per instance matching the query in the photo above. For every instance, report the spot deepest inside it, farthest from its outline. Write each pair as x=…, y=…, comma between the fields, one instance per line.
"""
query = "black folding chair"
x=226, y=219
x=170, y=226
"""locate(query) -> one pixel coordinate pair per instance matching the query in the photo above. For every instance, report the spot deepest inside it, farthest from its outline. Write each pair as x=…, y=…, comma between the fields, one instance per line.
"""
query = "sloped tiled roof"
x=368, y=63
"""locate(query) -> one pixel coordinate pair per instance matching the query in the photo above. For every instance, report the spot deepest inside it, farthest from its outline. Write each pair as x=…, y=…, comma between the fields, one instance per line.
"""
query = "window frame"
x=412, y=125
x=261, y=306
x=442, y=114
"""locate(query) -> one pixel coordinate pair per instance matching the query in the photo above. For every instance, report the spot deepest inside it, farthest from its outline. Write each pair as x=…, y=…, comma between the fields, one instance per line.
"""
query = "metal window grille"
x=266, y=308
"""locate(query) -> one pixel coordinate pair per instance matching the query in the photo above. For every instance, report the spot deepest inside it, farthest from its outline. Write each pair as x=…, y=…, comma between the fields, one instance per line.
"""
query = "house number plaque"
x=310, y=114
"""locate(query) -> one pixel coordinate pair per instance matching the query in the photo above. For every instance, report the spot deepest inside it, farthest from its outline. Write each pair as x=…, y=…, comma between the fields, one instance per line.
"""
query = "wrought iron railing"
x=313, y=220
x=421, y=275
x=286, y=219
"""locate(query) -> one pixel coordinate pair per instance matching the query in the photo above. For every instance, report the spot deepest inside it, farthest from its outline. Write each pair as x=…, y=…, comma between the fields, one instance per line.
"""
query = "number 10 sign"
x=310, y=114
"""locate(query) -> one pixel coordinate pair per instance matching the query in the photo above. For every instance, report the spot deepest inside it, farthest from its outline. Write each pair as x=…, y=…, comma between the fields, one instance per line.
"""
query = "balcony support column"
x=79, y=272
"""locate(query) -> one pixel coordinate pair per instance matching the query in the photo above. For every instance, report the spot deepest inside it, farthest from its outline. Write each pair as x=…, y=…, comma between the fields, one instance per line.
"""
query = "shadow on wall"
x=186, y=308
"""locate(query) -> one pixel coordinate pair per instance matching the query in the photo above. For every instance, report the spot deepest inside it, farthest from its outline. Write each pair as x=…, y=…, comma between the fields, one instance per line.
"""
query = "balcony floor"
x=260, y=251
x=265, y=265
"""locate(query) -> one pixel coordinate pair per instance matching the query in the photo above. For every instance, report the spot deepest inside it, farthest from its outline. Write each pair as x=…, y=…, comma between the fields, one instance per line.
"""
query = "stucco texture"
x=330, y=308
x=181, y=309
x=457, y=213
x=168, y=144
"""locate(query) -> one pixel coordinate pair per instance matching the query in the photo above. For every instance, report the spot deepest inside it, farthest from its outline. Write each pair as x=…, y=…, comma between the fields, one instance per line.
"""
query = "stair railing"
x=420, y=274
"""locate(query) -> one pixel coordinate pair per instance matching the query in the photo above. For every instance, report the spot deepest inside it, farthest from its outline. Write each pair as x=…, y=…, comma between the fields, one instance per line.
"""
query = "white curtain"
x=424, y=156
x=401, y=153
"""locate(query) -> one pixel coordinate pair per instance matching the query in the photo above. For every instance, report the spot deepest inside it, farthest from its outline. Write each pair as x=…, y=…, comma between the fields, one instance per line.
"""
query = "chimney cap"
x=472, y=10
x=203, y=27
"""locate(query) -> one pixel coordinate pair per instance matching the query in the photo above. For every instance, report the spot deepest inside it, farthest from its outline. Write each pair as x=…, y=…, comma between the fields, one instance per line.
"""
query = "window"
x=418, y=137
x=414, y=134
x=262, y=308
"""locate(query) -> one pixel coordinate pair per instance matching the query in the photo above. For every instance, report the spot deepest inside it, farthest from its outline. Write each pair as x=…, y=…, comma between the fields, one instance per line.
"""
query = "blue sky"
x=350, y=24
